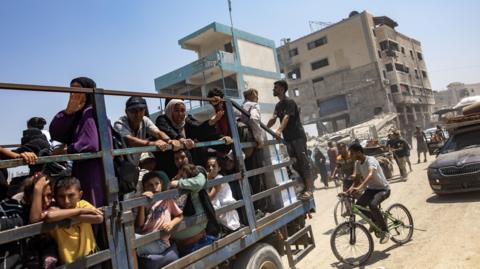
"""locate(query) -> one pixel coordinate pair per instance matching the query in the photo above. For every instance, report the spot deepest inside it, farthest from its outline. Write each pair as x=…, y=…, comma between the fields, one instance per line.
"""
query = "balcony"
x=195, y=72
x=405, y=98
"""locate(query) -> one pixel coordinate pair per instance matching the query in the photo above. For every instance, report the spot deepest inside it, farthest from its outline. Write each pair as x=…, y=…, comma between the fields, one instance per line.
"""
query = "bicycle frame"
x=357, y=210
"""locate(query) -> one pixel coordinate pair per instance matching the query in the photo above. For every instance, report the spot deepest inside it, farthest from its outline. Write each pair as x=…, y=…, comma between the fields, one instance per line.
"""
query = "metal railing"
x=119, y=219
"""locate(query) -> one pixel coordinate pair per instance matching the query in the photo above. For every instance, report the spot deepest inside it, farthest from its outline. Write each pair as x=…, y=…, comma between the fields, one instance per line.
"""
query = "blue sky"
x=126, y=44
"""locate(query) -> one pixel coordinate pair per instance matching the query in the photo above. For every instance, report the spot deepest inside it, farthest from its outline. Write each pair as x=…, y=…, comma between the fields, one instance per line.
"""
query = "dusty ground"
x=446, y=236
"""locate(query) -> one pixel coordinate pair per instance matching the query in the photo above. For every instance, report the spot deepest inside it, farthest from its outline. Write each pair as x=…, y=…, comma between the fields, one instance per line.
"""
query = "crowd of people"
x=76, y=190
x=340, y=164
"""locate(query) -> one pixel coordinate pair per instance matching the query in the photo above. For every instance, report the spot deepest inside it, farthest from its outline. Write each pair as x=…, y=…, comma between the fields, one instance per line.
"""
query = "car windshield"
x=462, y=141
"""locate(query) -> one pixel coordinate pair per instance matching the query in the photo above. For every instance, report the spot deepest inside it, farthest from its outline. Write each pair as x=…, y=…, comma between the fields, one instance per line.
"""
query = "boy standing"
x=78, y=240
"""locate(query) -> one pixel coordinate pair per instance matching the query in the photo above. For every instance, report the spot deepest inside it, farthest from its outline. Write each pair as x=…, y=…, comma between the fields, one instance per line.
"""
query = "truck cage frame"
x=118, y=216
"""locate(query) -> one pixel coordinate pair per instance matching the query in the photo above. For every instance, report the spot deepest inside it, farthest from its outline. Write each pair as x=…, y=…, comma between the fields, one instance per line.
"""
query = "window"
x=384, y=74
x=228, y=47
x=420, y=56
x=315, y=80
x=319, y=64
x=402, y=68
x=293, y=52
x=389, y=67
x=411, y=53
x=424, y=74
x=295, y=74
x=296, y=93
x=416, y=74
x=389, y=45
x=403, y=50
x=394, y=88
x=317, y=43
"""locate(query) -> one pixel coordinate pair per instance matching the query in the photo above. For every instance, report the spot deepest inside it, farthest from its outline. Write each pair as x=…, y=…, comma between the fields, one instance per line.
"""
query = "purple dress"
x=81, y=135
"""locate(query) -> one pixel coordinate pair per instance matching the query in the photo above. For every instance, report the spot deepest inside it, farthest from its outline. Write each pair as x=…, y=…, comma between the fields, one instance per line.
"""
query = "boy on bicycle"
x=376, y=187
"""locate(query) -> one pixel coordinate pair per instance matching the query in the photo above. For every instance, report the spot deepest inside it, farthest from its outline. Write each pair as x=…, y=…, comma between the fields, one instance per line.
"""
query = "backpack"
x=126, y=172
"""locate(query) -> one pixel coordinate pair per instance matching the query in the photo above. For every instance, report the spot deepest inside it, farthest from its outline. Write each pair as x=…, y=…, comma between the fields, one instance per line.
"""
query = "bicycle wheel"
x=351, y=243
x=400, y=223
x=339, y=212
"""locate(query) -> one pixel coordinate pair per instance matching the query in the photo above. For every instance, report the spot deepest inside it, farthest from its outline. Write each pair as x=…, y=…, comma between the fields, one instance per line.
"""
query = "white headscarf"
x=169, y=112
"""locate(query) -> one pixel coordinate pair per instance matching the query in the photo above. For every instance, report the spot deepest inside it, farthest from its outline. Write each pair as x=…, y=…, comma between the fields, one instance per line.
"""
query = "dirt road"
x=447, y=231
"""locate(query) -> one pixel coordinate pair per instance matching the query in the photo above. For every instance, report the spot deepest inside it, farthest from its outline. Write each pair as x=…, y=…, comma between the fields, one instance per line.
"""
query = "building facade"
x=228, y=59
x=454, y=93
x=350, y=71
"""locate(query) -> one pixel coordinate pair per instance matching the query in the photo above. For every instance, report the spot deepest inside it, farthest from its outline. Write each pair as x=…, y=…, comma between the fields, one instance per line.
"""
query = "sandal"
x=306, y=196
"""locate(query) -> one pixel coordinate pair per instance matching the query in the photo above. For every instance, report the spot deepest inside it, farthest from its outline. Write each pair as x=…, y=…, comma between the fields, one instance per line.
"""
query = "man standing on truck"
x=294, y=135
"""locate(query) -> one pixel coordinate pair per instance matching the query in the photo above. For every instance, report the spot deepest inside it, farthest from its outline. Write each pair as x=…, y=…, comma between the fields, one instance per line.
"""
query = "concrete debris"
x=376, y=128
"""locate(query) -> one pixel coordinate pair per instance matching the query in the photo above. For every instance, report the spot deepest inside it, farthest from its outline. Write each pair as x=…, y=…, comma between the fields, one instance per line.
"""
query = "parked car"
x=457, y=167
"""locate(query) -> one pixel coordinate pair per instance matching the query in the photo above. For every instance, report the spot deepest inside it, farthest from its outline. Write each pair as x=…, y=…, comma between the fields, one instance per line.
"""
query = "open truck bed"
x=274, y=234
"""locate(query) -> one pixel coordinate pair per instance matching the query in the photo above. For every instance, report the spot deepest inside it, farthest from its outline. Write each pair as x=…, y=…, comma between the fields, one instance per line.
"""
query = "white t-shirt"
x=224, y=197
x=147, y=127
x=378, y=182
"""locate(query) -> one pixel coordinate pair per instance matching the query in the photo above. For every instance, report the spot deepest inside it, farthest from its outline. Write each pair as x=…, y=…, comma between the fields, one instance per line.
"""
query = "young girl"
x=221, y=195
x=163, y=216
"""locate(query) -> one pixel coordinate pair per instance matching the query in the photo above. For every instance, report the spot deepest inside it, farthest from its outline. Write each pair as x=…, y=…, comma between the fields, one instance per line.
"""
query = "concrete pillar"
x=414, y=112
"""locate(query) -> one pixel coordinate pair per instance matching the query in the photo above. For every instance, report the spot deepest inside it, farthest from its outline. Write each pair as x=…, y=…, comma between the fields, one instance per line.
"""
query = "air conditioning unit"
x=386, y=81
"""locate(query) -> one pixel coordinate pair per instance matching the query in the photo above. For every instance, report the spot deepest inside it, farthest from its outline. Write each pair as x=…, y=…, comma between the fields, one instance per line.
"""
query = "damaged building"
x=350, y=71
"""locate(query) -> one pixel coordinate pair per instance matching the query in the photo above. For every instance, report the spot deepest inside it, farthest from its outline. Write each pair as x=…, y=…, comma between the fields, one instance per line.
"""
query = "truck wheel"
x=259, y=256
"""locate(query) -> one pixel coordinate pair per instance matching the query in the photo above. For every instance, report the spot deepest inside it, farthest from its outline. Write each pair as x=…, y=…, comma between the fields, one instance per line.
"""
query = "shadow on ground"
x=467, y=197
x=376, y=257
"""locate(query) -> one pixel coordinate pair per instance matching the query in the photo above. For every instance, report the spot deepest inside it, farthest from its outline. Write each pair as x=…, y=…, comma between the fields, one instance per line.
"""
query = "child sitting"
x=75, y=241
x=163, y=216
x=41, y=250
x=221, y=195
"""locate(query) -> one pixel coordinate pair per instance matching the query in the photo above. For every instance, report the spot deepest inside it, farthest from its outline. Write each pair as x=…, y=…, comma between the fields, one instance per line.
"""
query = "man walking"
x=421, y=144
x=400, y=150
x=294, y=135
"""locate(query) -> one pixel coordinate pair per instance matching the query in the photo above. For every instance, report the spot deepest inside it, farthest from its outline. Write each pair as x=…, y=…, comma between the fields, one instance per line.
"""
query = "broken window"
x=402, y=68
x=420, y=56
x=389, y=67
x=293, y=52
x=411, y=53
x=389, y=45
x=317, y=43
x=319, y=64
x=424, y=73
x=394, y=88
x=403, y=50
x=294, y=74
x=416, y=74
x=315, y=80
x=228, y=47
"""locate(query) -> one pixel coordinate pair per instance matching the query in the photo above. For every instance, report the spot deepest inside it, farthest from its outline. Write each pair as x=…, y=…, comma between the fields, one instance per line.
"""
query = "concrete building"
x=349, y=71
x=455, y=92
x=229, y=59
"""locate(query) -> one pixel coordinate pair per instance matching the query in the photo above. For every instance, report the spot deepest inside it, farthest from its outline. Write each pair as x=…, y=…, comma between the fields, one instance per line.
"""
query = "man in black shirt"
x=400, y=149
x=294, y=135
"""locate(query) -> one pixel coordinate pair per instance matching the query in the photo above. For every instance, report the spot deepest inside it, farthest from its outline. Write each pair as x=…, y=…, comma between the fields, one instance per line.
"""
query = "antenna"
x=318, y=25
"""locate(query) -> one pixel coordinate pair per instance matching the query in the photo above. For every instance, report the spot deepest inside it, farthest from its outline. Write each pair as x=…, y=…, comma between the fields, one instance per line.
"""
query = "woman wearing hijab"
x=178, y=125
x=76, y=127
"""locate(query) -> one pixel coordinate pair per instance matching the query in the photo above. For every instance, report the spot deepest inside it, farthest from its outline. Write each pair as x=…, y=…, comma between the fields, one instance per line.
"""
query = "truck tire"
x=259, y=256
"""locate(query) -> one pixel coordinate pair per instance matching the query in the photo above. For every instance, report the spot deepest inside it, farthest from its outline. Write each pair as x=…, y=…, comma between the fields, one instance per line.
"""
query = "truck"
x=260, y=243
x=457, y=167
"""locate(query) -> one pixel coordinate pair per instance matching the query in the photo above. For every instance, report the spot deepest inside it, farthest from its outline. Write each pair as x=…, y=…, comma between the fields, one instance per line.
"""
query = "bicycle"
x=355, y=236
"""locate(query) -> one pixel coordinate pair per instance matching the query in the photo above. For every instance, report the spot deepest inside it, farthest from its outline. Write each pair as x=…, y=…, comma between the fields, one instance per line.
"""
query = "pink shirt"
x=159, y=213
